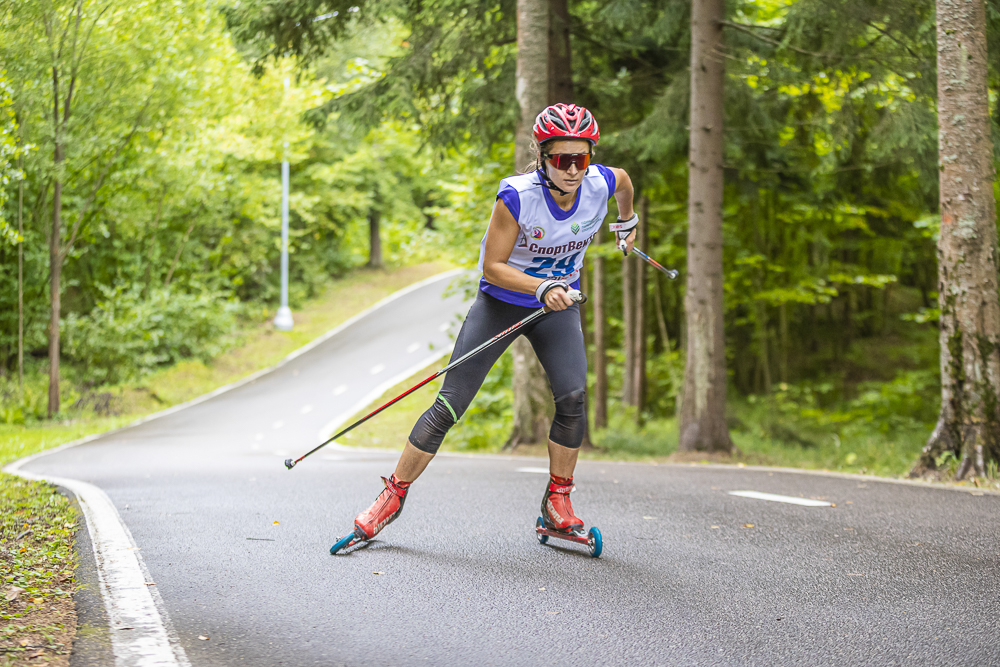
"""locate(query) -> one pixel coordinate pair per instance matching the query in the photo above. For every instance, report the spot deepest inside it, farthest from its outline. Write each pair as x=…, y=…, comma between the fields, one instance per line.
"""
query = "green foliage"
x=803, y=413
x=485, y=425
x=9, y=151
x=127, y=334
x=37, y=564
x=624, y=439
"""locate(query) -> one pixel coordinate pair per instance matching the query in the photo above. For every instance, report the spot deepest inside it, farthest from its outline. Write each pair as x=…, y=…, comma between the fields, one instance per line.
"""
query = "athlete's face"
x=570, y=178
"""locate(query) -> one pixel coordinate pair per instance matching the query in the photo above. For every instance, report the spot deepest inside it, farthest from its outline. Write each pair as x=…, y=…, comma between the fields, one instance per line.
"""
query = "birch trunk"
x=969, y=423
x=703, y=409
x=600, y=347
x=533, y=407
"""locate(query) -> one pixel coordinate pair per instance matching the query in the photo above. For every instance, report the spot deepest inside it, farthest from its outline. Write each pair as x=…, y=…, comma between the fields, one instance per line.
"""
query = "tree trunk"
x=628, y=330
x=763, y=342
x=531, y=77
x=969, y=424
x=703, y=410
x=55, y=271
x=374, y=239
x=585, y=328
x=639, y=313
x=560, y=64
x=785, y=343
x=600, y=348
x=20, y=274
x=533, y=407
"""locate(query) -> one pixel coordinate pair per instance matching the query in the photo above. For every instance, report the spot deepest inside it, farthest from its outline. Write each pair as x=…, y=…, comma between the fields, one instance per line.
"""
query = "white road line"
x=306, y=409
x=331, y=426
x=340, y=390
x=412, y=348
x=542, y=471
x=377, y=369
x=781, y=499
x=140, y=634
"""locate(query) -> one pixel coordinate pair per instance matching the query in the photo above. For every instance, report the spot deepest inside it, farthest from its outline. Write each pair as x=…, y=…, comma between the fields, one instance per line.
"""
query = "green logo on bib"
x=574, y=228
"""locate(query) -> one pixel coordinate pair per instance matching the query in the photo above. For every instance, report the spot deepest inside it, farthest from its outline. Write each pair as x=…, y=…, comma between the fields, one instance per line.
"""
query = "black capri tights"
x=557, y=340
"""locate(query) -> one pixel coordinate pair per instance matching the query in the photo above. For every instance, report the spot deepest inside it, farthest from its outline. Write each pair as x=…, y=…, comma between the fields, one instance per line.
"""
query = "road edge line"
x=141, y=632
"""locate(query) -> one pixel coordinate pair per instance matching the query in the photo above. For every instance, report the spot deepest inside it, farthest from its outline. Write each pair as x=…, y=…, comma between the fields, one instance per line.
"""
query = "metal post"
x=283, y=320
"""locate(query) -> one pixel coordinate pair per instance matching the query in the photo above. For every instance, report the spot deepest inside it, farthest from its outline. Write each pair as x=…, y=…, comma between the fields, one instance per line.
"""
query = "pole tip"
x=289, y=463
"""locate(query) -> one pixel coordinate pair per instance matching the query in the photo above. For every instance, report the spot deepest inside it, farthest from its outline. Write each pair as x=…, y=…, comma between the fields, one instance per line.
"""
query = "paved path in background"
x=893, y=574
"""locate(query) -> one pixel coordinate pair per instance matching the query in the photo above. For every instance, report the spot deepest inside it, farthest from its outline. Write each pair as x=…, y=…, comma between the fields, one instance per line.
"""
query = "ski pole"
x=670, y=273
x=576, y=295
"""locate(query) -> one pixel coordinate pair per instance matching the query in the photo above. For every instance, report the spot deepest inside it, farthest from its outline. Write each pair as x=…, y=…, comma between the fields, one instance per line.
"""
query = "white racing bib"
x=552, y=242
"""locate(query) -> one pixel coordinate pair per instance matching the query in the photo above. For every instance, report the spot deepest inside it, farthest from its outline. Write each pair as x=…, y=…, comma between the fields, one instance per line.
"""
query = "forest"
x=140, y=195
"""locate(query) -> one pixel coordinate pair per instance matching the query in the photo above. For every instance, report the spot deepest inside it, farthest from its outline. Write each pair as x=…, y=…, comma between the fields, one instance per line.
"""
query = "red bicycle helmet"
x=566, y=121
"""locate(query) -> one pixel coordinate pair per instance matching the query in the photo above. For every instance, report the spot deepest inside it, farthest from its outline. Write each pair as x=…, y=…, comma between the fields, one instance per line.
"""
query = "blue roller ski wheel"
x=341, y=543
x=594, y=542
x=542, y=539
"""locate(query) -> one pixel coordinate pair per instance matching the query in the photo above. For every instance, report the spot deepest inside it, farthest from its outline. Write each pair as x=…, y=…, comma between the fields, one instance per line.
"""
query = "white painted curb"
x=141, y=632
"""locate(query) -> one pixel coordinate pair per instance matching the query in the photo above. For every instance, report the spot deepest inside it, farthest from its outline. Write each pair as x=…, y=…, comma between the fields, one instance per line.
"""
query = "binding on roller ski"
x=531, y=255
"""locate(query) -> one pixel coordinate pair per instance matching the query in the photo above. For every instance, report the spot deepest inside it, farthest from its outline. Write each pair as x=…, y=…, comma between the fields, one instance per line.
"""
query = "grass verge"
x=37, y=560
x=37, y=563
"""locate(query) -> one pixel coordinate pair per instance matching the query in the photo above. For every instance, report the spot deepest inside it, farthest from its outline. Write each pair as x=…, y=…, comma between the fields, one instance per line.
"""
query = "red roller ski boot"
x=383, y=511
x=558, y=519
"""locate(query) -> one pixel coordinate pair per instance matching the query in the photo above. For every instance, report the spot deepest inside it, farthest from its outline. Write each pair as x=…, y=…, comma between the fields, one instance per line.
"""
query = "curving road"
x=876, y=574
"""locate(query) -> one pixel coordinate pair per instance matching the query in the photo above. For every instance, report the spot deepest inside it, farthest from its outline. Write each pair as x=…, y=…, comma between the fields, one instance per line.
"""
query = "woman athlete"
x=531, y=254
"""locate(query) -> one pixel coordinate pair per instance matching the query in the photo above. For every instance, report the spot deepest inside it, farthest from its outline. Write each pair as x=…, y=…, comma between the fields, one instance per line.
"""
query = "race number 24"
x=547, y=267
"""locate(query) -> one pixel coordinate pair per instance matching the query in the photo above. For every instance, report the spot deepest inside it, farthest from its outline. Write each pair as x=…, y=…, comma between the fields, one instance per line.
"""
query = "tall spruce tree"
x=703, y=409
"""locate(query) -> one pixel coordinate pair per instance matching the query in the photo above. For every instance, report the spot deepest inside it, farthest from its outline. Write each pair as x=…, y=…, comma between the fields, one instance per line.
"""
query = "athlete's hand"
x=629, y=242
x=557, y=299
x=625, y=243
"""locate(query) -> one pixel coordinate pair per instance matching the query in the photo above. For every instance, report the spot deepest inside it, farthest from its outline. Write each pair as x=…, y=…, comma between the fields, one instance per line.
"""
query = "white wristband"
x=545, y=286
x=620, y=225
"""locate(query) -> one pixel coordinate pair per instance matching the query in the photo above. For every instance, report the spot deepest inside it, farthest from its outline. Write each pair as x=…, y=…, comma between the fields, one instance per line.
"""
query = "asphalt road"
x=691, y=575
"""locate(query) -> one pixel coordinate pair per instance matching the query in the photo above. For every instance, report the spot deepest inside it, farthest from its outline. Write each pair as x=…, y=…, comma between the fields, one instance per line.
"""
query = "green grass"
x=37, y=563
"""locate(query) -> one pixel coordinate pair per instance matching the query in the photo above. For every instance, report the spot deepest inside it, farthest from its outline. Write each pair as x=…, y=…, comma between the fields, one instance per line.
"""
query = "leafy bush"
x=623, y=437
x=125, y=335
x=797, y=413
x=485, y=426
x=19, y=405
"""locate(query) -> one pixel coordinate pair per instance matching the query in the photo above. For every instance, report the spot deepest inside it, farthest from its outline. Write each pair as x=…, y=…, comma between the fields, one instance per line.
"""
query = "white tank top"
x=551, y=242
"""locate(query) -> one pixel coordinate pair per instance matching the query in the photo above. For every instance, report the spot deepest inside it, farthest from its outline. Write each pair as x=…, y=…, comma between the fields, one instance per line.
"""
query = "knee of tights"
x=429, y=431
x=570, y=422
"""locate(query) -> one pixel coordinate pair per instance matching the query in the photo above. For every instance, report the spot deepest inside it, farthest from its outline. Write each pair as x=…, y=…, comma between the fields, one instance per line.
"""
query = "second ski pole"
x=670, y=273
x=576, y=295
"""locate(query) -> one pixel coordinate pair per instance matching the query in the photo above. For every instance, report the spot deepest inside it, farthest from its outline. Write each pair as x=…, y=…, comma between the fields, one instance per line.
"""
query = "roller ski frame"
x=349, y=540
x=592, y=538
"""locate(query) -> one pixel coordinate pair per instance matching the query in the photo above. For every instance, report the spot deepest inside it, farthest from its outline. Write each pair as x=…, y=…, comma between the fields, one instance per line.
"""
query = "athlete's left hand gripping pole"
x=576, y=295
